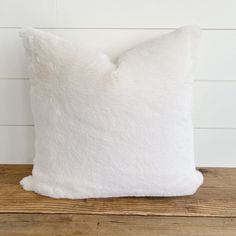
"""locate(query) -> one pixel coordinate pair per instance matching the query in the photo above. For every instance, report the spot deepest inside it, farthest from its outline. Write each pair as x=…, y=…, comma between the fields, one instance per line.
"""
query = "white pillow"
x=107, y=129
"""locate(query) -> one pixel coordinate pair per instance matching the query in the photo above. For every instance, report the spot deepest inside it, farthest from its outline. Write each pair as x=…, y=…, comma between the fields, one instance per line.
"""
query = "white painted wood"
x=135, y=21
x=13, y=63
x=215, y=148
x=16, y=144
x=18, y=13
x=212, y=147
x=214, y=103
x=15, y=102
x=122, y=13
x=217, y=61
x=143, y=13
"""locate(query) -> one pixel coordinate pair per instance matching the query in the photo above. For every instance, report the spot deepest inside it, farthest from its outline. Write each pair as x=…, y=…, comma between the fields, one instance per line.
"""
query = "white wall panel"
x=16, y=144
x=121, y=14
x=113, y=27
x=217, y=54
x=213, y=147
x=15, y=102
x=146, y=13
x=18, y=13
x=214, y=104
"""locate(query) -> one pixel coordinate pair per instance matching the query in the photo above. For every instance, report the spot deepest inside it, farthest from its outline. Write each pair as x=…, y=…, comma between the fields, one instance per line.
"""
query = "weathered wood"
x=217, y=197
x=107, y=225
x=211, y=211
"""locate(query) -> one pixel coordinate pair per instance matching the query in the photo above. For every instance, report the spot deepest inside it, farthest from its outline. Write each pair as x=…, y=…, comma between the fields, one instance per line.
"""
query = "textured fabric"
x=107, y=129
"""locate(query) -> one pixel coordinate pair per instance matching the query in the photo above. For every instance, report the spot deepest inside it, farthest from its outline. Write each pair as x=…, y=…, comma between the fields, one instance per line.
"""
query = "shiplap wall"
x=114, y=26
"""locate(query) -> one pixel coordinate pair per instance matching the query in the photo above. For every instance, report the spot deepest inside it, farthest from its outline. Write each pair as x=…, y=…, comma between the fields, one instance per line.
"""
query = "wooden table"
x=211, y=211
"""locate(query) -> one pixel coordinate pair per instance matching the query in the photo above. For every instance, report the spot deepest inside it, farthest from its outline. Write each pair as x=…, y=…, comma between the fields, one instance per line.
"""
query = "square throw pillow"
x=106, y=129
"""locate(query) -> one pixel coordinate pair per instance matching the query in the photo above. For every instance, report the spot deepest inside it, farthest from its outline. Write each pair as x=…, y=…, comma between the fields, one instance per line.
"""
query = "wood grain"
x=106, y=225
x=217, y=197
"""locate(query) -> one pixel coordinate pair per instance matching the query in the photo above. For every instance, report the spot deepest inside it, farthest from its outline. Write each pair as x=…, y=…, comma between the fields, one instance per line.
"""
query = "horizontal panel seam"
x=216, y=128
x=196, y=128
x=196, y=80
x=116, y=28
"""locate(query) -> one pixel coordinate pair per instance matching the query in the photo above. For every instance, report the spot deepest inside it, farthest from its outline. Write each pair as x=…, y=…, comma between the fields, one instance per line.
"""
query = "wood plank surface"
x=107, y=225
x=217, y=197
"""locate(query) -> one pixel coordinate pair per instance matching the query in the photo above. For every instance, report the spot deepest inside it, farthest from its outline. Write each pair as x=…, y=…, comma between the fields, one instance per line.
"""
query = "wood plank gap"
x=114, y=214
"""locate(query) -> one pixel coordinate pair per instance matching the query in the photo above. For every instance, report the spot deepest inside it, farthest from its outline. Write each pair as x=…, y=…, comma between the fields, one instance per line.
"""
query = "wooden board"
x=211, y=211
x=217, y=197
x=107, y=225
